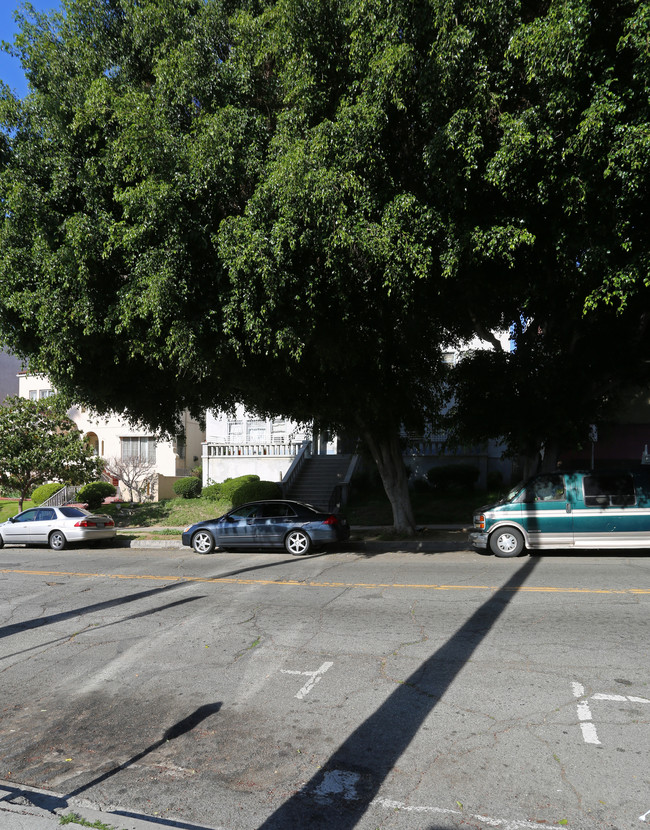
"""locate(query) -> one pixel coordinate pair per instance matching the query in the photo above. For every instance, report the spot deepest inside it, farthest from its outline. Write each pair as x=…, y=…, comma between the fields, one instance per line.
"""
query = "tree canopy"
x=294, y=204
x=39, y=444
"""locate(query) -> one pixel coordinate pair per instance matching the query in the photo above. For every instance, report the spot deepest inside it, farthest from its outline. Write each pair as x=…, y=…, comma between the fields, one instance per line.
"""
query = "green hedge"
x=93, y=494
x=225, y=489
x=187, y=488
x=231, y=485
x=212, y=492
x=45, y=491
x=256, y=490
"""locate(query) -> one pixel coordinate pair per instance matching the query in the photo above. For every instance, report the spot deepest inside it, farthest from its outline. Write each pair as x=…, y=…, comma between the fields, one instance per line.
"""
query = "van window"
x=609, y=490
x=545, y=488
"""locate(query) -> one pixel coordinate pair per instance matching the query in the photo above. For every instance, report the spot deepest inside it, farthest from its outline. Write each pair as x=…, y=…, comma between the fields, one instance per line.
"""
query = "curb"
x=28, y=808
x=397, y=546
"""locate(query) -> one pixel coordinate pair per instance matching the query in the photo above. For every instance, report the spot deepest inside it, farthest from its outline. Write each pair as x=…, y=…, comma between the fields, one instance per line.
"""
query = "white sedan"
x=55, y=526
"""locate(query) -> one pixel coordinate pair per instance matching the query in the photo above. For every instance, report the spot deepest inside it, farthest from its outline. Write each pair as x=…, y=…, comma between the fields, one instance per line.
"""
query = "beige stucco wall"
x=108, y=430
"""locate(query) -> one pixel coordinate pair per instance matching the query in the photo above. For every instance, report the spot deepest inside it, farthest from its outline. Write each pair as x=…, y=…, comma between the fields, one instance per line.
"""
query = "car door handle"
x=568, y=507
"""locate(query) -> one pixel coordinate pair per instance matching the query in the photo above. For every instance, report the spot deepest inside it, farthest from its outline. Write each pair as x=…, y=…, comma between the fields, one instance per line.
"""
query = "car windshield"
x=74, y=512
x=510, y=495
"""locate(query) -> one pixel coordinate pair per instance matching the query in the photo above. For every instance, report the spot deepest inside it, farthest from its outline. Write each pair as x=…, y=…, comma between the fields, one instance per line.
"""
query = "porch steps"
x=319, y=476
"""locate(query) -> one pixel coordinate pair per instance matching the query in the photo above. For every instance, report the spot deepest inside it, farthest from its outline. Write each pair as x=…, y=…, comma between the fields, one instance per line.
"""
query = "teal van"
x=568, y=510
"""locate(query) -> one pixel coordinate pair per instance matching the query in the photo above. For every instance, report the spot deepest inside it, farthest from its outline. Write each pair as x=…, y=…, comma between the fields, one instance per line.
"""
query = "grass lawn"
x=9, y=508
x=165, y=513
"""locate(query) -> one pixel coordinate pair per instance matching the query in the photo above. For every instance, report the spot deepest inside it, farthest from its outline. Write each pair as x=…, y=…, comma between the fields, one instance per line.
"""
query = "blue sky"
x=10, y=69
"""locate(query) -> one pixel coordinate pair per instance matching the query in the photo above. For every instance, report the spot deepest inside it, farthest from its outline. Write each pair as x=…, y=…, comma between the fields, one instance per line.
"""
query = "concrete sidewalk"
x=29, y=808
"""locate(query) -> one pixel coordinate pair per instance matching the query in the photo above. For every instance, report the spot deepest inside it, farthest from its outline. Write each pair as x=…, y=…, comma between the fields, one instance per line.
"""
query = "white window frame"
x=138, y=446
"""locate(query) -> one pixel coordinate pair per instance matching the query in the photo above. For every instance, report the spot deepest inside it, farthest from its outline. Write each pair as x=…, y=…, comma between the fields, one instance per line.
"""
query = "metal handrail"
x=341, y=491
x=296, y=466
x=62, y=496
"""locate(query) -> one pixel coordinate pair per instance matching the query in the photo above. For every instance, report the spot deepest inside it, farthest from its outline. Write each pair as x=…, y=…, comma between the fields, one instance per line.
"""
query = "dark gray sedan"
x=291, y=525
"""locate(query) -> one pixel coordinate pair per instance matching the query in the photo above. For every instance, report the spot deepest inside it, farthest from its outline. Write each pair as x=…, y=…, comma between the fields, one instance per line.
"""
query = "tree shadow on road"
x=342, y=790
x=39, y=622
x=96, y=628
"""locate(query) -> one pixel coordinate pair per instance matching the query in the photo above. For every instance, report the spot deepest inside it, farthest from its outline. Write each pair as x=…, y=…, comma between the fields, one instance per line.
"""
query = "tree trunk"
x=387, y=453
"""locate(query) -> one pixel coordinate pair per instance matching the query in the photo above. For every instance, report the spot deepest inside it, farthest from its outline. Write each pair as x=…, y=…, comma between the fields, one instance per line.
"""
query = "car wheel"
x=506, y=542
x=202, y=542
x=2, y=542
x=297, y=542
x=57, y=540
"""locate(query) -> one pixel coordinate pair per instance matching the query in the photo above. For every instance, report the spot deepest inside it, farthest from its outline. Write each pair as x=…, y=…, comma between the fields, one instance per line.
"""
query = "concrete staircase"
x=317, y=479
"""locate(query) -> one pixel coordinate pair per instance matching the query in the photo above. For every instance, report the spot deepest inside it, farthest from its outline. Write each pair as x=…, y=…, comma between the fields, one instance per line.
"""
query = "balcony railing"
x=213, y=449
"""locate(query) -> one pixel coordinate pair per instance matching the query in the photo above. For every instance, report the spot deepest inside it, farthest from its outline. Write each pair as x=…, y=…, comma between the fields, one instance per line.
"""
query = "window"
x=257, y=432
x=247, y=512
x=46, y=393
x=33, y=394
x=27, y=516
x=546, y=488
x=276, y=510
x=235, y=432
x=138, y=447
x=180, y=446
x=609, y=490
x=74, y=512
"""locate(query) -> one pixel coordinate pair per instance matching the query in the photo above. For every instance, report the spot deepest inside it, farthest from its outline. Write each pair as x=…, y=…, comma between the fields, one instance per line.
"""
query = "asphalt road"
x=414, y=691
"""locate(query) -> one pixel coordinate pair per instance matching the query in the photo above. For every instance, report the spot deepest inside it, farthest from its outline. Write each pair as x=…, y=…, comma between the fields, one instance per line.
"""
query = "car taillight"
x=331, y=520
x=85, y=523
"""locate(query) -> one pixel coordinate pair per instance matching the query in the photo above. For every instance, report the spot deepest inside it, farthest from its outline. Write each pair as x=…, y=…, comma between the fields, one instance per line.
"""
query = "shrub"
x=231, y=485
x=187, y=488
x=45, y=491
x=453, y=477
x=212, y=492
x=93, y=494
x=255, y=490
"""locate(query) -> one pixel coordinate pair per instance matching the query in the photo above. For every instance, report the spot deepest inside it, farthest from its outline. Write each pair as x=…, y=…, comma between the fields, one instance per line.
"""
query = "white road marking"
x=314, y=678
x=502, y=823
x=587, y=726
x=621, y=698
x=644, y=817
x=589, y=734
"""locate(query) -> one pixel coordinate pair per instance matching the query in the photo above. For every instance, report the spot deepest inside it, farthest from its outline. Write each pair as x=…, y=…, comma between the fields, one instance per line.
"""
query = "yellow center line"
x=525, y=589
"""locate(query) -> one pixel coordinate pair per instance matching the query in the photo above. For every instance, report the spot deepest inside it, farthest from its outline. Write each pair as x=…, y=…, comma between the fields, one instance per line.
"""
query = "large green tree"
x=39, y=443
x=295, y=204
x=574, y=158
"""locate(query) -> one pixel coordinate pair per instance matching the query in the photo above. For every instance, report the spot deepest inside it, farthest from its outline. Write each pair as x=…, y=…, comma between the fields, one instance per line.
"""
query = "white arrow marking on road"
x=644, y=817
x=314, y=677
